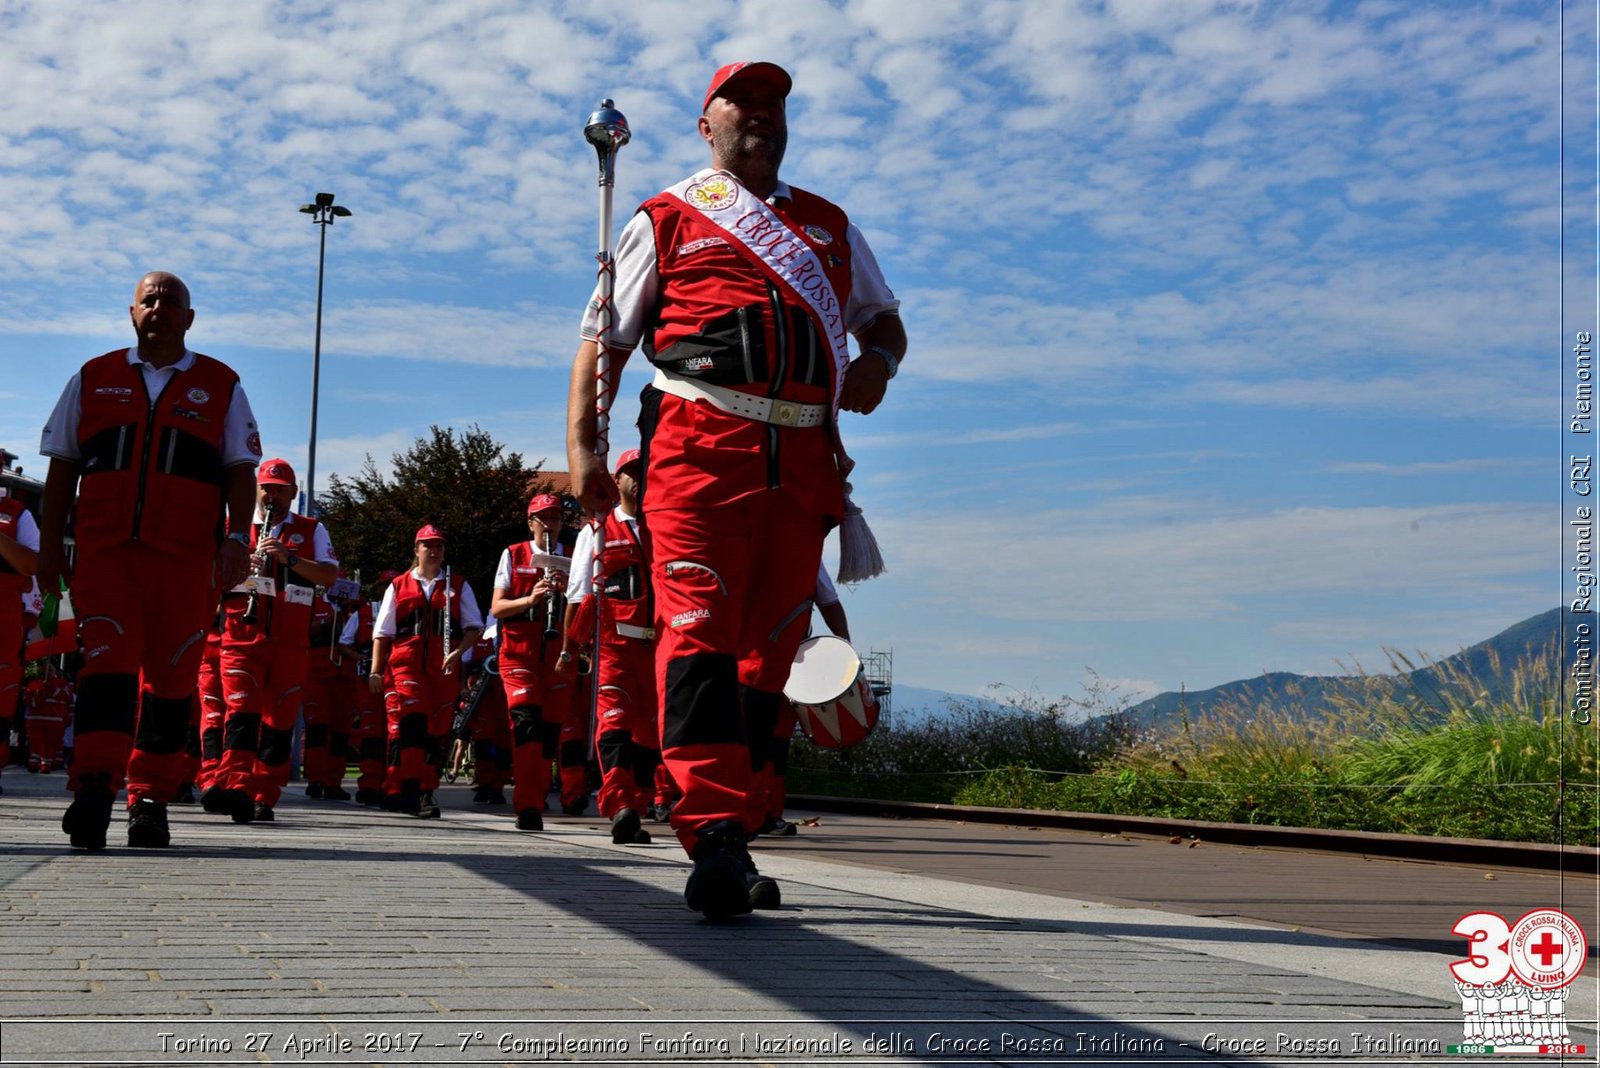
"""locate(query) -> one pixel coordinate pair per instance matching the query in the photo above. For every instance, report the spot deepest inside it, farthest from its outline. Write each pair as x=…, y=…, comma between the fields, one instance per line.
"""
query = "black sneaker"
x=238, y=804
x=480, y=796
x=530, y=819
x=780, y=828
x=314, y=791
x=261, y=812
x=335, y=793
x=409, y=799
x=211, y=800
x=763, y=889
x=185, y=794
x=661, y=813
x=717, y=887
x=366, y=795
x=147, y=825
x=87, y=818
x=575, y=808
x=497, y=796
x=625, y=828
x=427, y=807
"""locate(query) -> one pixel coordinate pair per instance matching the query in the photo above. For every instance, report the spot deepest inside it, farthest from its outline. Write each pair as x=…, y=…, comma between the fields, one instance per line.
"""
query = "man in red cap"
x=427, y=619
x=266, y=636
x=528, y=585
x=369, y=731
x=158, y=445
x=624, y=662
x=744, y=292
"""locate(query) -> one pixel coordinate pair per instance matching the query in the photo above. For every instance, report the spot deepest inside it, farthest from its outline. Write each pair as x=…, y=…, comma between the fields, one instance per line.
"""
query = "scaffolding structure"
x=879, y=668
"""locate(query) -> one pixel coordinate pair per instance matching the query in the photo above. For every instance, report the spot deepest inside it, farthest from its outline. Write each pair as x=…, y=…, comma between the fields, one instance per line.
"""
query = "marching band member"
x=744, y=291
x=624, y=663
x=526, y=601
x=369, y=731
x=770, y=762
x=422, y=627
x=158, y=444
x=325, y=710
x=19, y=559
x=49, y=710
x=266, y=636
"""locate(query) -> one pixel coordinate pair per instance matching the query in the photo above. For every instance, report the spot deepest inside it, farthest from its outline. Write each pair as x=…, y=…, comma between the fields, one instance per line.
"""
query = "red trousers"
x=45, y=731
x=539, y=706
x=139, y=612
x=326, y=715
x=490, y=732
x=369, y=733
x=11, y=665
x=625, y=728
x=213, y=710
x=421, y=704
x=262, y=681
x=732, y=584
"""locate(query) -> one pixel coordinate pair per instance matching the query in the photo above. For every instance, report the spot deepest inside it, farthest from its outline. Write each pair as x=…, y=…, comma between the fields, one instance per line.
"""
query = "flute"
x=447, y=628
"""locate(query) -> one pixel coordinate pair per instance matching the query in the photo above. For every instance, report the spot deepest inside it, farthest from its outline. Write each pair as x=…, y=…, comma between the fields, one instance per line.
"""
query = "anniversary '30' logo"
x=1514, y=985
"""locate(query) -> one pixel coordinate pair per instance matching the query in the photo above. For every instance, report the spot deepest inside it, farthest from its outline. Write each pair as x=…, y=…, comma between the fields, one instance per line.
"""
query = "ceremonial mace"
x=607, y=131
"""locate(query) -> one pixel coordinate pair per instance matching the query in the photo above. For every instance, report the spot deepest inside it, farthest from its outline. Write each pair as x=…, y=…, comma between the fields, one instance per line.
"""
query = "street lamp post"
x=323, y=211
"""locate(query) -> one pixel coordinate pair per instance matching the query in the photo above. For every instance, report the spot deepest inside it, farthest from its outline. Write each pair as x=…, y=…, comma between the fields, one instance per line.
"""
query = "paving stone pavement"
x=341, y=935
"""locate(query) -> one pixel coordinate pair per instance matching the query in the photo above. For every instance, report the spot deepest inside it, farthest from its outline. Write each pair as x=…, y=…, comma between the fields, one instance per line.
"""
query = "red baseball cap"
x=275, y=473
x=429, y=532
x=629, y=456
x=770, y=73
x=544, y=502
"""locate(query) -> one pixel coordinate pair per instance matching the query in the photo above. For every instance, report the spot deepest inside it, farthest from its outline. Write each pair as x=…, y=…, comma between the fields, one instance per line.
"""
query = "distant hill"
x=1311, y=695
x=912, y=706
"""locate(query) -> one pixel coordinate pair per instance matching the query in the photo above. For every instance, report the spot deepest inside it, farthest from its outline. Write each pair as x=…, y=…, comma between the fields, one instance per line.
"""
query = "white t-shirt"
x=384, y=625
x=27, y=534
x=638, y=284
x=240, y=442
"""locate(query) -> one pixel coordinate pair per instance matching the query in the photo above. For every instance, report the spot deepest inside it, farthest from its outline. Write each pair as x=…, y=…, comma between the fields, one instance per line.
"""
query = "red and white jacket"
x=152, y=474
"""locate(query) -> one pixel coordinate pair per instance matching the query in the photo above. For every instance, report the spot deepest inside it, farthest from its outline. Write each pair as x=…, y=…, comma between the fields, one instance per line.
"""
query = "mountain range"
x=1489, y=665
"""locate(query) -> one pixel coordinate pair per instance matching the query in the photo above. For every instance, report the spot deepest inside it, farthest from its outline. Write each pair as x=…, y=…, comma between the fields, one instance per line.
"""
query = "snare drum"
x=830, y=692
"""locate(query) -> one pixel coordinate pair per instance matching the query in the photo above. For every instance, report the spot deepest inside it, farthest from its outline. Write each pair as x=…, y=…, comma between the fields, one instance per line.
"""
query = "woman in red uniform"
x=422, y=613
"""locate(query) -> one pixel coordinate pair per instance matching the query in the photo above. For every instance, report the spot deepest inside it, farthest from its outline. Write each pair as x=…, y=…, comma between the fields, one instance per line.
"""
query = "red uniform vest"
x=626, y=575
x=152, y=473
x=277, y=615
x=419, y=624
x=12, y=583
x=522, y=637
x=719, y=319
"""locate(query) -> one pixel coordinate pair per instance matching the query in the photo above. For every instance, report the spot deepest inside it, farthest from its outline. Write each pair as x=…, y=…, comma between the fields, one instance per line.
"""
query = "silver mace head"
x=607, y=131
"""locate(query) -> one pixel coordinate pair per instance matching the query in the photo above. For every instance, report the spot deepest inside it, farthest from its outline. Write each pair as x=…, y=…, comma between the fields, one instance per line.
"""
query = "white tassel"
x=859, y=555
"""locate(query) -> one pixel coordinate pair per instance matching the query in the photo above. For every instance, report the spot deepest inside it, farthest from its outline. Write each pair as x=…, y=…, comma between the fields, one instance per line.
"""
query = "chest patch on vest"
x=197, y=395
x=716, y=192
x=817, y=235
x=700, y=245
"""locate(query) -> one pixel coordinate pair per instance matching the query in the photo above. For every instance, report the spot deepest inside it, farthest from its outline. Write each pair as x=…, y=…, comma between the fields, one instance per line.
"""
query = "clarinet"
x=258, y=559
x=553, y=600
x=447, y=629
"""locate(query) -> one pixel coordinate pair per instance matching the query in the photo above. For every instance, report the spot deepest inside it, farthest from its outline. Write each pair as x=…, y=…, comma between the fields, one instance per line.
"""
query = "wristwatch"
x=293, y=561
x=241, y=537
x=889, y=358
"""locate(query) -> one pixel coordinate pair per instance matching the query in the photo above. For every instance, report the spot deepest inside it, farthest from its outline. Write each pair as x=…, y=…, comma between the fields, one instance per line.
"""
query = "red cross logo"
x=1546, y=949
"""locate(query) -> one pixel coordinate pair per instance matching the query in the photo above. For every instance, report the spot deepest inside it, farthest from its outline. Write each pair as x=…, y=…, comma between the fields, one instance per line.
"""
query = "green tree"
x=469, y=486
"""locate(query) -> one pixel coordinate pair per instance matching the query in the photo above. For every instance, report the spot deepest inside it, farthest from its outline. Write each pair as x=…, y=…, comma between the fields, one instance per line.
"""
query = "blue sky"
x=1234, y=327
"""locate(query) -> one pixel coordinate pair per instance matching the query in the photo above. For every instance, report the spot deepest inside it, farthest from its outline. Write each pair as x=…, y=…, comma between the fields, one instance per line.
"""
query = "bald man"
x=158, y=446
